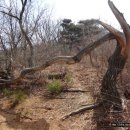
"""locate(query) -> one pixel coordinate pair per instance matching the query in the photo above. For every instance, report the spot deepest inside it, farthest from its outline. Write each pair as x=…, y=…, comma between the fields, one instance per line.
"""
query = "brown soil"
x=46, y=113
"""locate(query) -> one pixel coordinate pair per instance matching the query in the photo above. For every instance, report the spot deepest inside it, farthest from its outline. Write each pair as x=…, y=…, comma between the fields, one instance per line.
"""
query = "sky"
x=88, y=9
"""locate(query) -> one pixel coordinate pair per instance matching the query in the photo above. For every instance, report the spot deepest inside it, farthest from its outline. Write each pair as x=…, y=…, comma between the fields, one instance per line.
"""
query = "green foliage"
x=16, y=95
x=71, y=32
x=91, y=26
x=68, y=78
x=74, y=33
x=54, y=87
x=7, y=92
x=19, y=96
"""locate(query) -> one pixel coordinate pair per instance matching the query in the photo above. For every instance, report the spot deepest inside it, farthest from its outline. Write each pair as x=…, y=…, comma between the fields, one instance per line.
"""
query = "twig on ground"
x=82, y=109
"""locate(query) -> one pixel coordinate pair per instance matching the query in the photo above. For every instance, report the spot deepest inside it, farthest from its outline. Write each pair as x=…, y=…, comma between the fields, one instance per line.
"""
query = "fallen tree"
x=61, y=59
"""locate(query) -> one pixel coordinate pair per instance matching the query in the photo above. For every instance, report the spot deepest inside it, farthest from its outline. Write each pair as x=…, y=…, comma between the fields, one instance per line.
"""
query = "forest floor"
x=46, y=112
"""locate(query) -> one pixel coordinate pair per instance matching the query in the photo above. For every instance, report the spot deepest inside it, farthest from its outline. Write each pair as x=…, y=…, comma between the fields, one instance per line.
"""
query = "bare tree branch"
x=119, y=16
x=61, y=59
x=9, y=14
x=118, y=35
x=23, y=9
x=121, y=20
x=22, y=2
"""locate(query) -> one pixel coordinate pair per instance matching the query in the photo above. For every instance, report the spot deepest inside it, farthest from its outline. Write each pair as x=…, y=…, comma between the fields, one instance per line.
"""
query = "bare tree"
x=47, y=30
x=10, y=36
x=24, y=33
x=36, y=27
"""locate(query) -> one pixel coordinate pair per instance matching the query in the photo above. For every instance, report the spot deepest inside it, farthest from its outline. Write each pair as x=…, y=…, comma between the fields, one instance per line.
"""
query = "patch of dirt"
x=47, y=113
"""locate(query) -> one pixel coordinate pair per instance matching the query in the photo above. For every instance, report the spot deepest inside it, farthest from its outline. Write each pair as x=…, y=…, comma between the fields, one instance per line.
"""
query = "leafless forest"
x=62, y=75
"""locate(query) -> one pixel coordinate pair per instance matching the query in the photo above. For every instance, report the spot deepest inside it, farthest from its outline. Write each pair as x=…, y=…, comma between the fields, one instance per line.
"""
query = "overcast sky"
x=87, y=9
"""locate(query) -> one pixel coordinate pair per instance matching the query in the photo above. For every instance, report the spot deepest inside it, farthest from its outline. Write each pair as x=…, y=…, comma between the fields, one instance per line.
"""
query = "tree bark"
x=109, y=92
x=31, y=55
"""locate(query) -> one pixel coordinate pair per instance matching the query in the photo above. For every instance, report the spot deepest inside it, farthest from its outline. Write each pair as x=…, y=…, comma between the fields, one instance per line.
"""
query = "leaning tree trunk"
x=109, y=93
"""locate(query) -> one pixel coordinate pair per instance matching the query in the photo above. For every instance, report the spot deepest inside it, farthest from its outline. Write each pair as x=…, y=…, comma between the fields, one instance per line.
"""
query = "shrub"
x=54, y=87
x=7, y=92
x=68, y=78
x=15, y=96
x=19, y=96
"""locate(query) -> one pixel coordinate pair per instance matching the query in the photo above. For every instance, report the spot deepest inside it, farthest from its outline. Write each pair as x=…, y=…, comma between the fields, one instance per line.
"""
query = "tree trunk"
x=31, y=54
x=109, y=93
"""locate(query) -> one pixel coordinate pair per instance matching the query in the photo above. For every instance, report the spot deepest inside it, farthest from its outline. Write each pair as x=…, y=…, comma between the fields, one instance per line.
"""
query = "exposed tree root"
x=57, y=76
x=82, y=109
x=52, y=97
x=75, y=90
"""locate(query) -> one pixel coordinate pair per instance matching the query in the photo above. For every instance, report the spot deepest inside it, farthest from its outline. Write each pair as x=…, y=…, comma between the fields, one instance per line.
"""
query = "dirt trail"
x=47, y=113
